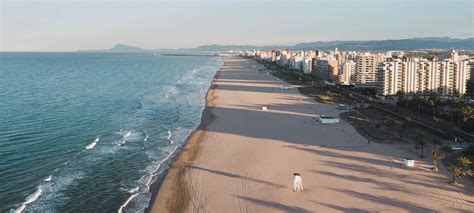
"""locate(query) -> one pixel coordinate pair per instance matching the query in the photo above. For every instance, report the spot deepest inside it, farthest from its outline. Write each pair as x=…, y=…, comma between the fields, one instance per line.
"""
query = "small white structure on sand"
x=264, y=108
x=409, y=162
x=286, y=87
x=324, y=119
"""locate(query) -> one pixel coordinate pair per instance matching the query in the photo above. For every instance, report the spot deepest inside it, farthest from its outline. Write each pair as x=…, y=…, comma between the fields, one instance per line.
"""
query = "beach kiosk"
x=409, y=162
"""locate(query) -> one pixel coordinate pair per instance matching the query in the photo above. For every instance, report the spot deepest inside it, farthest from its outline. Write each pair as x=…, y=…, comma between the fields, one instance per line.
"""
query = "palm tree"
x=434, y=99
x=461, y=169
x=464, y=163
x=467, y=113
x=435, y=155
x=456, y=171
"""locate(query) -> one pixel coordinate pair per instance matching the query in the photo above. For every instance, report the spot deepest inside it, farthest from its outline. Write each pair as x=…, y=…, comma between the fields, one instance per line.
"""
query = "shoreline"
x=186, y=155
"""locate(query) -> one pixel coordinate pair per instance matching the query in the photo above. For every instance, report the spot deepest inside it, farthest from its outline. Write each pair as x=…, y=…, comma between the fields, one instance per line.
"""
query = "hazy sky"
x=70, y=25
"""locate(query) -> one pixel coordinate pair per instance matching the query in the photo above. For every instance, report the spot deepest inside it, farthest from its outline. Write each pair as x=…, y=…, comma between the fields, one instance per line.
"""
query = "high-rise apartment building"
x=366, y=70
x=347, y=72
x=326, y=68
x=444, y=77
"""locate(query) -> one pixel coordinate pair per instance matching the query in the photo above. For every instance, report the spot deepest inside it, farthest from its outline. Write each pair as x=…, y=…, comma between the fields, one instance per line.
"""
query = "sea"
x=91, y=132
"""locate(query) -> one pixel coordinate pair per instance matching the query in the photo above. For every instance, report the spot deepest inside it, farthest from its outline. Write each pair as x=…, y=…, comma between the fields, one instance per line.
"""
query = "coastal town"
x=386, y=72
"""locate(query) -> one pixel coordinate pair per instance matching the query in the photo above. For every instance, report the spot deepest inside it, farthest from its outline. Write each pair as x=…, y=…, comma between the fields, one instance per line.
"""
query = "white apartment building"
x=444, y=77
x=307, y=65
x=347, y=72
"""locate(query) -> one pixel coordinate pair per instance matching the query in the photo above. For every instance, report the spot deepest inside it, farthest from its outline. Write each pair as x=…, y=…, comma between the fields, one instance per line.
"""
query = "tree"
x=456, y=94
x=400, y=96
x=435, y=155
x=461, y=169
x=456, y=172
x=464, y=163
x=433, y=99
x=467, y=113
x=421, y=144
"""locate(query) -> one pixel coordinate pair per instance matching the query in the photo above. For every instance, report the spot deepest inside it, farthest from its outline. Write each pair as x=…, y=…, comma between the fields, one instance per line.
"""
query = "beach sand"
x=241, y=159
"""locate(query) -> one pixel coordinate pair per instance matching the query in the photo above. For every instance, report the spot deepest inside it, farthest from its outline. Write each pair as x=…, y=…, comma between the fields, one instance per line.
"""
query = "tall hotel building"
x=444, y=77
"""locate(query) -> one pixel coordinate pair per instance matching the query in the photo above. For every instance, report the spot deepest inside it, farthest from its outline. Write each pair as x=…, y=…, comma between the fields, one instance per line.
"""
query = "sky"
x=70, y=25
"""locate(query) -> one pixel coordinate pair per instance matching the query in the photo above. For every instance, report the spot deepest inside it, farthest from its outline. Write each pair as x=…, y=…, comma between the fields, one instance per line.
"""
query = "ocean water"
x=82, y=132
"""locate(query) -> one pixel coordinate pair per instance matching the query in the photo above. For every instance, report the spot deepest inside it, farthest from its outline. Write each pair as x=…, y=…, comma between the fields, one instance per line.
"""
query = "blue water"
x=83, y=132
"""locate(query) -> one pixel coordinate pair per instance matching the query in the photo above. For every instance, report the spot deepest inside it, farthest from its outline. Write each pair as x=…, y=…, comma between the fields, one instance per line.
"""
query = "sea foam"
x=33, y=197
x=92, y=145
x=149, y=179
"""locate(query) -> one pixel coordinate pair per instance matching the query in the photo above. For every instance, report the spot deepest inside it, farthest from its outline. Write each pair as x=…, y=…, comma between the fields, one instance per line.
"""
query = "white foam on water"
x=92, y=145
x=150, y=178
x=133, y=190
x=120, y=210
x=120, y=144
x=127, y=134
x=51, y=192
x=30, y=199
x=169, y=137
x=33, y=197
x=132, y=135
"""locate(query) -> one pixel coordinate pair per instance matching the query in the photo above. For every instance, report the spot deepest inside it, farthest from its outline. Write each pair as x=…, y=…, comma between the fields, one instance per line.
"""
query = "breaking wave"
x=92, y=145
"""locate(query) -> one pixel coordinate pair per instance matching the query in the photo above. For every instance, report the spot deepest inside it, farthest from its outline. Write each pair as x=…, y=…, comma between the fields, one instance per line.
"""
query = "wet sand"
x=241, y=159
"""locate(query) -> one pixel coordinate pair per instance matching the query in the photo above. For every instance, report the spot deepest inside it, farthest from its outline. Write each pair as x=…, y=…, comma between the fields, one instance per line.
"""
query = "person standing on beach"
x=297, y=182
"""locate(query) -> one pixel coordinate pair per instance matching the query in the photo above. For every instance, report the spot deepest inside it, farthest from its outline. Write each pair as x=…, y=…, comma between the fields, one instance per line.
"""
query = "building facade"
x=366, y=71
x=346, y=72
x=443, y=77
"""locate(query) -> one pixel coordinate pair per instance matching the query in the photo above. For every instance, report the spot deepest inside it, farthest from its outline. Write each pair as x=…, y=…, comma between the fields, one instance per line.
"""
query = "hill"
x=371, y=45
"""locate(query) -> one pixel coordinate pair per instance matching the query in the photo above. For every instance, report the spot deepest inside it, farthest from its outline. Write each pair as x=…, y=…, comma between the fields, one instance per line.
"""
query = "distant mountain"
x=371, y=45
x=119, y=48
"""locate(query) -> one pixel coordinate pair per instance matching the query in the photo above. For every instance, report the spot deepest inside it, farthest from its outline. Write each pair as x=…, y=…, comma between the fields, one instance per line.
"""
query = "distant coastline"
x=410, y=44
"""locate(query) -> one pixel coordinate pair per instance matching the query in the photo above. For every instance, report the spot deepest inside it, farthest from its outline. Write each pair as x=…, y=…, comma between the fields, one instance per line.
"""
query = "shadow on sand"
x=228, y=174
x=274, y=205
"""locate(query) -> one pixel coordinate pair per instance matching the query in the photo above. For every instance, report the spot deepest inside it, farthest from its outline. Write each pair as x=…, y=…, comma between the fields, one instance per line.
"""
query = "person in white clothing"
x=297, y=182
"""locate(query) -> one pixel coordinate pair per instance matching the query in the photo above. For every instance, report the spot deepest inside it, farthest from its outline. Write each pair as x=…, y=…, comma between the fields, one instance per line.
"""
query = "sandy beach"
x=241, y=159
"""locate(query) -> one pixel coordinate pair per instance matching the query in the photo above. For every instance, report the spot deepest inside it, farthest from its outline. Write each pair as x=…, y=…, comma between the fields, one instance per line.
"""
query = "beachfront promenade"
x=242, y=158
